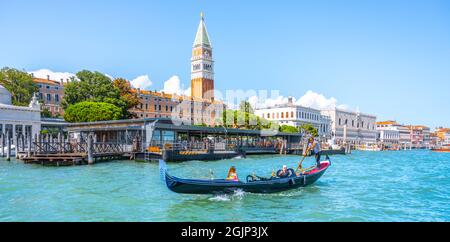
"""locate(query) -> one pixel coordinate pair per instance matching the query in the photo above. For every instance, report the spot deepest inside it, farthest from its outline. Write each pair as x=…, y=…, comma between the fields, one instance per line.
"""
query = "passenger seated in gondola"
x=232, y=175
x=285, y=172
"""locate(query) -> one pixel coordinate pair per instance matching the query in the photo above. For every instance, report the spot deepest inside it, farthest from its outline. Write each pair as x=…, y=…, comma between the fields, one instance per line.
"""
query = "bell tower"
x=202, y=65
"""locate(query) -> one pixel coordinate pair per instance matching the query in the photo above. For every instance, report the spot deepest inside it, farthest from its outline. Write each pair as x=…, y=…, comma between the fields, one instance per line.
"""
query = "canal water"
x=364, y=186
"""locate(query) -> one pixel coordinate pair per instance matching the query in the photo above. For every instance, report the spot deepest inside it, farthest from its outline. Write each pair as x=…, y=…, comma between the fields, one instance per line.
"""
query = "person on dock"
x=232, y=175
x=314, y=148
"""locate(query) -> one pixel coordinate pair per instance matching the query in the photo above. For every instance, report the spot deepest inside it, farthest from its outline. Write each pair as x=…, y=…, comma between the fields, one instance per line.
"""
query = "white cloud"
x=311, y=99
x=173, y=86
x=56, y=76
x=143, y=82
x=318, y=101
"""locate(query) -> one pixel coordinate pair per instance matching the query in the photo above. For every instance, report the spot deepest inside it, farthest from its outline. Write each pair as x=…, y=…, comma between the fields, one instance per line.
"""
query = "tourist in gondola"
x=232, y=175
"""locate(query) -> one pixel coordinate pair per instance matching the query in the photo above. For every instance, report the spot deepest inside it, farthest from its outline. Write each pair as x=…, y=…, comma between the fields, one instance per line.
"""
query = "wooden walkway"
x=48, y=151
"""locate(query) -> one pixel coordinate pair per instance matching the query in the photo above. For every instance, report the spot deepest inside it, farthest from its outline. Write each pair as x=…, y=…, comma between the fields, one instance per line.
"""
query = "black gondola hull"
x=190, y=186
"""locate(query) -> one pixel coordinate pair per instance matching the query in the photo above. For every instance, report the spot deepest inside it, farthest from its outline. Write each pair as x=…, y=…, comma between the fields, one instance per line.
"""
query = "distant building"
x=447, y=138
x=388, y=133
x=419, y=135
x=50, y=94
x=202, y=65
x=17, y=120
x=441, y=133
x=352, y=127
x=296, y=115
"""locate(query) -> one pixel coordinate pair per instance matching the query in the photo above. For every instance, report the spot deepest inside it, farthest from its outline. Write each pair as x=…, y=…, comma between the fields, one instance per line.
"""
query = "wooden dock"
x=50, y=151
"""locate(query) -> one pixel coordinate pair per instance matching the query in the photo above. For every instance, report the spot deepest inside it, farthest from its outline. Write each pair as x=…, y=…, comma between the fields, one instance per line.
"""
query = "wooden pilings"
x=90, y=151
x=8, y=146
x=3, y=145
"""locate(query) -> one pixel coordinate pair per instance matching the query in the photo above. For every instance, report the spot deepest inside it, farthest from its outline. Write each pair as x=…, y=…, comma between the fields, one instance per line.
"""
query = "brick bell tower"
x=202, y=65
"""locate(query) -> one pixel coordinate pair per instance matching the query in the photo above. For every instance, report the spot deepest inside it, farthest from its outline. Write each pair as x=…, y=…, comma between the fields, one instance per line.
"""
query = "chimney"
x=48, y=77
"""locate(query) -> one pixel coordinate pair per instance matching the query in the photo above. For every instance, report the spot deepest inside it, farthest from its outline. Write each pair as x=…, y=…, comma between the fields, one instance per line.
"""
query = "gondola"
x=253, y=184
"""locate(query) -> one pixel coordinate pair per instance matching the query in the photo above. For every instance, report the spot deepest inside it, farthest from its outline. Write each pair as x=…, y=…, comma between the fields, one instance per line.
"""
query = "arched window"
x=292, y=114
x=282, y=115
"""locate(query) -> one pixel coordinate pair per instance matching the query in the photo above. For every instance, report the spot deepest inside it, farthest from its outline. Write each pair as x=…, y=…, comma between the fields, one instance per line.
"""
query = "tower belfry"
x=202, y=64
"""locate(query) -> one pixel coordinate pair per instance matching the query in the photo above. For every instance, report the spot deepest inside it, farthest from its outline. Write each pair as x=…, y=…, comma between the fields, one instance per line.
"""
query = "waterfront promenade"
x=365, y=186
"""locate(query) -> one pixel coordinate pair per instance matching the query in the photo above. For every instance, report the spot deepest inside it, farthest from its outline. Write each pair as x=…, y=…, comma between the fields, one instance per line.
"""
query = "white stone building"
x=352, y=127
x=389, y=133
x=18, y=120
x=447, y=138
x=296, y=115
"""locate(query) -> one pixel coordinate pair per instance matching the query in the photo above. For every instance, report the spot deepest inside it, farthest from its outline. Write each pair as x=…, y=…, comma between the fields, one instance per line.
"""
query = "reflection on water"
x=365, y=186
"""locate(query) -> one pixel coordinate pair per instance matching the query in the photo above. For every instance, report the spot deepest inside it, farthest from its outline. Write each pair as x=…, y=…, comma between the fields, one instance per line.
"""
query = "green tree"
x=127, y=95
x=288, y=129
x=309, y=128
x=92, y=112
x=94, y=87
x=19, y=83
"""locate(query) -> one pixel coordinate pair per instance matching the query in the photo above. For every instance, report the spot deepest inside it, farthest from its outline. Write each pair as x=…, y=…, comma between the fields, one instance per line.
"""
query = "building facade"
x=50, y=94
x=419, y=136
x=296, y=115
x=352, y=127
x=15, y=120
x=388, y=133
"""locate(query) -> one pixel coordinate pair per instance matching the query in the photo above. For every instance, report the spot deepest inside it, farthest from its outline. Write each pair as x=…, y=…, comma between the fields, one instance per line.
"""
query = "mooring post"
x=30, y=141
x=22, y=142
x=90, y=150
x=35, y=142
x=17, y=146
x=3, y=145
x=8, y=146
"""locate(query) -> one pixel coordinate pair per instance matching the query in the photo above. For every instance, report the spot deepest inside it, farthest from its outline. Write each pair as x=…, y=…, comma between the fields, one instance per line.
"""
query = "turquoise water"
x=364, y=186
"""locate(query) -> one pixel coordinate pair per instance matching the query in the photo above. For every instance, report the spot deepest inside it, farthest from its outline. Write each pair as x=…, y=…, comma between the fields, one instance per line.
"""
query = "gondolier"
x=314, y=148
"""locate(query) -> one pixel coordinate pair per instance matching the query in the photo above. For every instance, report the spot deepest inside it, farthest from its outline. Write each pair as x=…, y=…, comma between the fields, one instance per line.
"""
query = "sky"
x=390, y=58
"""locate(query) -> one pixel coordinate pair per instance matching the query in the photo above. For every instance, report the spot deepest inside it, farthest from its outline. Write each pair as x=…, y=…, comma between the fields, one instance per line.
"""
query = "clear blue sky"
x=391, y=58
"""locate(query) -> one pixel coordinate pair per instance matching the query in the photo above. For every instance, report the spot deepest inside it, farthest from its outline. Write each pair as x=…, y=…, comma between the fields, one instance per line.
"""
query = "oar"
x=299, y=167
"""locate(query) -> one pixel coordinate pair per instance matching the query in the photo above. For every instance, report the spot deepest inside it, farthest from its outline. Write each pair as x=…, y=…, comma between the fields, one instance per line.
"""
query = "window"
x=339, y=121
x=19, y=129
x=49, y=97
x=57, y=98
x=9, y=128
x=282, y=115
x=353, y=123
x=268, y=115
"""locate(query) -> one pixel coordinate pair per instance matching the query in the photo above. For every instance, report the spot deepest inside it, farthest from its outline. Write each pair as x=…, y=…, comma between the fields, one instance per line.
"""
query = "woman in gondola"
x=232, y=175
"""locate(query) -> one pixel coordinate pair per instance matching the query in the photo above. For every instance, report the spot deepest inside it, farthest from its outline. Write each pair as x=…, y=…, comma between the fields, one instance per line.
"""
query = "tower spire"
x=202, y=37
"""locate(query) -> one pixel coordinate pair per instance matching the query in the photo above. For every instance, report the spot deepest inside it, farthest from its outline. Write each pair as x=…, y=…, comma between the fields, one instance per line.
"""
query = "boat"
x=444, y=148
x=254, y=184
x=369, y=147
